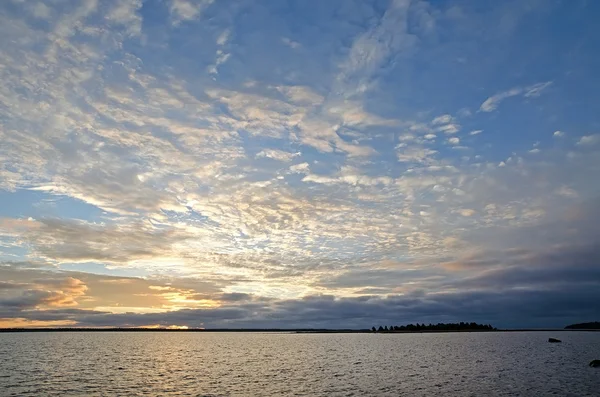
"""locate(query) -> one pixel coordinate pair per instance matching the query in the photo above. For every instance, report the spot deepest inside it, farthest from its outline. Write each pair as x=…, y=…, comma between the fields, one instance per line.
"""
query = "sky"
x=293, y=163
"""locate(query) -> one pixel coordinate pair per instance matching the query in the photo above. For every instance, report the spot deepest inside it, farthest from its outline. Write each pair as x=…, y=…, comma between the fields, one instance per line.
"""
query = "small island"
x=439, y=327
x=593, y=325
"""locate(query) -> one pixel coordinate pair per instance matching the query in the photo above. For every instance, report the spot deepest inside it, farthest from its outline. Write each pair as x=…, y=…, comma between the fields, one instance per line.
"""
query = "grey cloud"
x=544, y=308
x=235, y=297
x=30, y=299
x=568, y=268
x=4, y=285
x=372, y=278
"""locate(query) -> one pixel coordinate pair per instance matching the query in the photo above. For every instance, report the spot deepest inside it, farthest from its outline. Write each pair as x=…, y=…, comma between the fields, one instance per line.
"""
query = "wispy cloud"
x=492, y=103
x=532, y=91
x=536, y=89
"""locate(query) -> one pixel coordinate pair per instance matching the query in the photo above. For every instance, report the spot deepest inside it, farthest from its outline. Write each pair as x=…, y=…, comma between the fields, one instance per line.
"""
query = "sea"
x=288, y=364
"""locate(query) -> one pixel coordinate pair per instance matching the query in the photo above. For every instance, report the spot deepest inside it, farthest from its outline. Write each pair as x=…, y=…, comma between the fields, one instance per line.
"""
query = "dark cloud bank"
x=550, y=290
x=554, y=307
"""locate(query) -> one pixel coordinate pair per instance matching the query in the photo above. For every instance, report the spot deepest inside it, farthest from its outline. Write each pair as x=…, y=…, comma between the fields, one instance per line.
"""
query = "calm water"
x=234, y=364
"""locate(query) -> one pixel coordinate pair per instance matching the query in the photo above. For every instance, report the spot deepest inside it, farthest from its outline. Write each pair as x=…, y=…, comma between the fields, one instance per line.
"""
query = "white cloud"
x=443, y=119
x=558, y=134
x=370, y=49
x=449, y=128
x=126, y=14
x=277, y=154
x=415, y=155
x=565, y=191
x=475, y=132
x=466, y=212
x=354, y=150
x=186, y=10
x=350, y=179
x=322, y=179
x=221, y=58
x=491, y=104
x=535, y=90
x=454, y=141
x=290, y=43
x=301, y=95
x=353, y=114
x=223, y=37
x=532, y=91
x=300, y=168
x=589, y=140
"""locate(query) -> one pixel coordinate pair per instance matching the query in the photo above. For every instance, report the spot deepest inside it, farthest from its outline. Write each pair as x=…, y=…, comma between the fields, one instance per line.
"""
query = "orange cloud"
x=25, y=323
x=65, y=294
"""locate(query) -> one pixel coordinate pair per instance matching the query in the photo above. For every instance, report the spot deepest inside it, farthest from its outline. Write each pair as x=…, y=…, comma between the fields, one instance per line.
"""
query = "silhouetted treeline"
x=592, y=325
x=434, y=327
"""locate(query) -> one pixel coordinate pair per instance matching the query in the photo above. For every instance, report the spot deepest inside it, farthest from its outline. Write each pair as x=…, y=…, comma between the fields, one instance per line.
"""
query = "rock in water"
x=595, y=363
x=552, y=340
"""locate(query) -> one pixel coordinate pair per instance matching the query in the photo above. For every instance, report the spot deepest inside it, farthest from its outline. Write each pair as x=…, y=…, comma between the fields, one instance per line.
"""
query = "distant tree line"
x=592, y=325
x=434, y=327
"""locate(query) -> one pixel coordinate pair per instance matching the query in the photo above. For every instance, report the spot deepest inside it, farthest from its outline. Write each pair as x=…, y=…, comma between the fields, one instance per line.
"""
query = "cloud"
x=372, y=48
x=589, y=140
x=491, y=104
x=301, y=95
x=221, y=58
x=126, y=13
x=548, y=307
x=40, y=10
x=558, y=134
x=532, y=91
x=70, y=241
x=45, y=293
x=566, y=192
x=223, y=37
x=415, y=154
x=186, y=10
x=443, y=119
x=290, y=43
x=535, y=90
x=276, y=154
x=467, y=212
x=449, y=128
x=300, y=168
x=244, y=187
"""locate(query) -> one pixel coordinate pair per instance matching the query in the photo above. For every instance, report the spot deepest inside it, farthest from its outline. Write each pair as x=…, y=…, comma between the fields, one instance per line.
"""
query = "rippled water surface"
x=241, y=364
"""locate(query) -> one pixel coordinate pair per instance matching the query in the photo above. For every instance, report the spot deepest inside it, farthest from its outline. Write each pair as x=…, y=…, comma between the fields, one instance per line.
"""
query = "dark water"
x=236, y=364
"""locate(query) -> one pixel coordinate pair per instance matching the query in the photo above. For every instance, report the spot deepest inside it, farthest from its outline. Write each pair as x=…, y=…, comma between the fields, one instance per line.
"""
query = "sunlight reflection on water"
x=241, y=364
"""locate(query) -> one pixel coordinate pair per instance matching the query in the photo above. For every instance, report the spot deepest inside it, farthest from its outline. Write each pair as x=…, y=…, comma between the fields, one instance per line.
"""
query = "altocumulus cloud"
x=298, y=166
